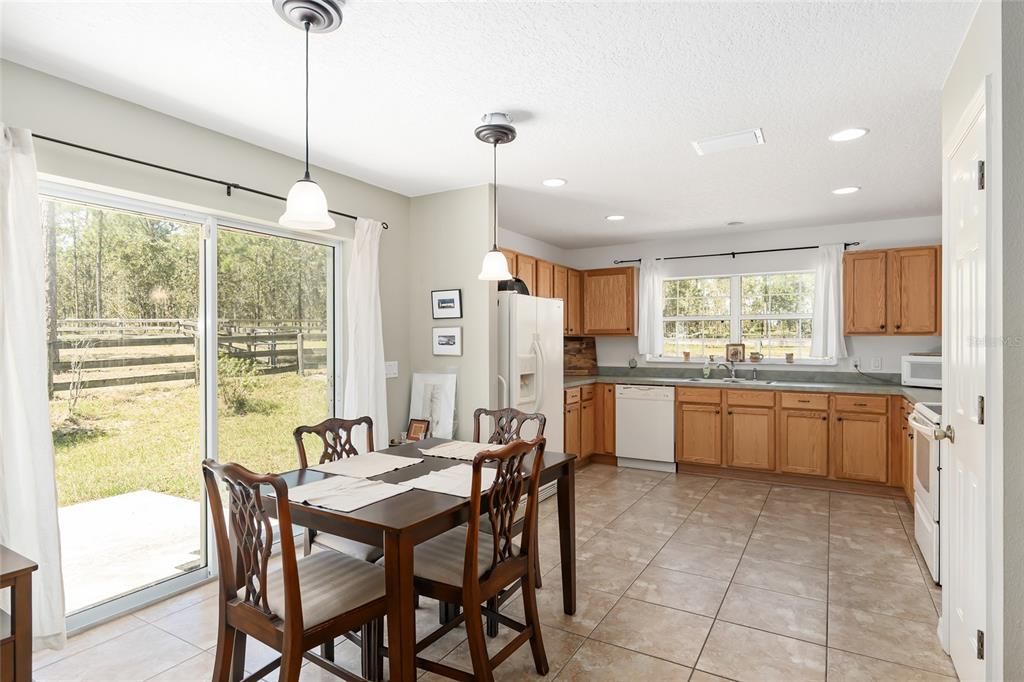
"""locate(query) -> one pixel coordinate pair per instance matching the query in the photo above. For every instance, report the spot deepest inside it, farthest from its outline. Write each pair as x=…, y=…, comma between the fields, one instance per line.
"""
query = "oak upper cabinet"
x=803, y=442
x=545, y=279
x=914, y=291
x=574, y=303
x=864, y=299
x=560, y=289
x=860, y=438
x=609, y=301
x=526, y=270
x=606, y=425
x=510, y=256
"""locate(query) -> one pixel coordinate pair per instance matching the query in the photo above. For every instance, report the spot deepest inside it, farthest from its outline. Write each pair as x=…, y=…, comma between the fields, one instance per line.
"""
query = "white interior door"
x=964, y=481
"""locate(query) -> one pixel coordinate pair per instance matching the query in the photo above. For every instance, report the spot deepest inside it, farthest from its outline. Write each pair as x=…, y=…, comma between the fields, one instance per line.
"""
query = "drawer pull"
x=803, y=401
x=860, y=404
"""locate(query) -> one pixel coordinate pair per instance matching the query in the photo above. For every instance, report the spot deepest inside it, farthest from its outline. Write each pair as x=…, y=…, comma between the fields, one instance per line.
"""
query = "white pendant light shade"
x=495, y=267
x=306, y=208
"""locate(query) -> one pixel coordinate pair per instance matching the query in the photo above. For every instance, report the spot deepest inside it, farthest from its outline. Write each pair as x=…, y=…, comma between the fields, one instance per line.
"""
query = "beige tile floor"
x=680, y=578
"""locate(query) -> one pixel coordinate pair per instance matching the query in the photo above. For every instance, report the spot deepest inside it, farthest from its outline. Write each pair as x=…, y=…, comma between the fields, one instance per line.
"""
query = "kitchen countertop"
x=913, y=393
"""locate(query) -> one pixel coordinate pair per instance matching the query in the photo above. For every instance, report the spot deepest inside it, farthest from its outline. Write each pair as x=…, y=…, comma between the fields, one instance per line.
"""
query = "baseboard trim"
x=873, y=489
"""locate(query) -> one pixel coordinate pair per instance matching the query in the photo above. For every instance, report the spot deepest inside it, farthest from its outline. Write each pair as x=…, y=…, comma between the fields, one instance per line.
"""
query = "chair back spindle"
x=245, y=540
x=516, y=482
x=336, y=435
x=508, y=424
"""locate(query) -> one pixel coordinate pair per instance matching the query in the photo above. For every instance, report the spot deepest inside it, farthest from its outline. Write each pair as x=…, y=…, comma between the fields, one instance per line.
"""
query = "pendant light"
x=306, y=206
x=496, y=129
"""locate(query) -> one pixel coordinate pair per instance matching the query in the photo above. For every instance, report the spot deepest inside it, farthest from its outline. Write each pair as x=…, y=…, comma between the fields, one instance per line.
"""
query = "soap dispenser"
x=707, y=368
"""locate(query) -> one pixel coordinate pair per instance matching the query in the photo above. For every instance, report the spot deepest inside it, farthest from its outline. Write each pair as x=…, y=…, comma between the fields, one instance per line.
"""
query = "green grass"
x=148, y=438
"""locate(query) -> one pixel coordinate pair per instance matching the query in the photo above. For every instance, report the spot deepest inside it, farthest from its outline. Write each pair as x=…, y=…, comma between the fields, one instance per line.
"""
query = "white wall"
x=993, y=49
x=532, y=247
x=616, y=352
x=450, y=235
x=61, y=109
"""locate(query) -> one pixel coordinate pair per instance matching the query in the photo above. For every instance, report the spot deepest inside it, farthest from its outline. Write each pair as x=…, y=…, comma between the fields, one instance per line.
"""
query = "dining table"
x=401, y=522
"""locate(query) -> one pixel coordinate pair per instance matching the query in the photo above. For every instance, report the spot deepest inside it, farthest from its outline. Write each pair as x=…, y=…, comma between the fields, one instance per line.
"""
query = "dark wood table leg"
x=401, y=612
x=21, y=593
x=567, y=535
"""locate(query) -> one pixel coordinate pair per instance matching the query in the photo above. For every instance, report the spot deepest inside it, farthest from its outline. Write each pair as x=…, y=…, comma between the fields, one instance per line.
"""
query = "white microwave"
x=922, y=370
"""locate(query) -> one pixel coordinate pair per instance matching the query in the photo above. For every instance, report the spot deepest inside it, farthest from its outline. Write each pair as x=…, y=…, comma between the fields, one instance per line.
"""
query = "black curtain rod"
x=846, y=245
x=228, y=186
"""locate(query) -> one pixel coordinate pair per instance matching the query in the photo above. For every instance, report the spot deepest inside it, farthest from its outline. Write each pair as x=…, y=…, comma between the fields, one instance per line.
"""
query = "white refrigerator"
x=529, y=363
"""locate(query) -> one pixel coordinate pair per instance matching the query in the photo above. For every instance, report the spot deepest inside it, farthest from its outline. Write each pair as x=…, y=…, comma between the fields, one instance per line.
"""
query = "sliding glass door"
x=274, y=341
x=171, y=339
x=123, y=314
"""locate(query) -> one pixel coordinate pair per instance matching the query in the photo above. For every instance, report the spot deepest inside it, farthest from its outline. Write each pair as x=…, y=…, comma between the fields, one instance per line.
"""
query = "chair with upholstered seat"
x=304, y=603
x=336, y=435
x=471, y=565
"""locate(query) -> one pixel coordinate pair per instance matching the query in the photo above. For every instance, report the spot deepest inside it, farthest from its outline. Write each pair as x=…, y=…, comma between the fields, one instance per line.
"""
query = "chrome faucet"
x=731, y=367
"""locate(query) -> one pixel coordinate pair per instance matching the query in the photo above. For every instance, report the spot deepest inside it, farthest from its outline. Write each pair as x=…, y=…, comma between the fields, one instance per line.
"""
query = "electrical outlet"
x=876, y=364
x=855, y=362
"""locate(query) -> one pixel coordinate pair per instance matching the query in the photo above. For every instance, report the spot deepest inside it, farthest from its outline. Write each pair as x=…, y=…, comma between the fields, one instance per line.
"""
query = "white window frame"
x=736, y=319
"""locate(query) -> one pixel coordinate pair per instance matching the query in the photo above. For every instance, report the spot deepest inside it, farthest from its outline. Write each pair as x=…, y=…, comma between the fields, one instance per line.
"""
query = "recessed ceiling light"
x=554, y=182
x=846, y=190
x=734, y=223
x=615, y=217
x=848, y=134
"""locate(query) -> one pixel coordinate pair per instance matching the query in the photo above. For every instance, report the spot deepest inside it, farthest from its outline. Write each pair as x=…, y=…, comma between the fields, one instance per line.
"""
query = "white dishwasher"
x=645, y=427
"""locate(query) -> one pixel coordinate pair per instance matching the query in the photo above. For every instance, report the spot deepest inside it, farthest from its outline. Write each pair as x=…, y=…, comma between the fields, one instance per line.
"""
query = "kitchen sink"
x=730, y=380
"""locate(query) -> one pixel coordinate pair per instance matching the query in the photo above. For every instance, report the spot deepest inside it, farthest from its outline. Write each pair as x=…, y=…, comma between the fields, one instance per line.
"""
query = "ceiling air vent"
x=722, y=143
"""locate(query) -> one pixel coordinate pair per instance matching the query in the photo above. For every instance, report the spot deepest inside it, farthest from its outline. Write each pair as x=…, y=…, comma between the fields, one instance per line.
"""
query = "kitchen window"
x=768, y=312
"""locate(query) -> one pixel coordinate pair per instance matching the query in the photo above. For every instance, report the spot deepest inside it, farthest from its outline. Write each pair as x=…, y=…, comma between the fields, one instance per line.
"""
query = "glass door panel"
x=126, y=411
x=274, y=342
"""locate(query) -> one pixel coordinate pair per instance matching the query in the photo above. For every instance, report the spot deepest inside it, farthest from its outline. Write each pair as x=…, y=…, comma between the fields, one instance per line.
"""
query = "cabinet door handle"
x=824, y=419
x=729, y=412
x=881, y=326
x=720, y=412
x=898, y=326
x=839, y=419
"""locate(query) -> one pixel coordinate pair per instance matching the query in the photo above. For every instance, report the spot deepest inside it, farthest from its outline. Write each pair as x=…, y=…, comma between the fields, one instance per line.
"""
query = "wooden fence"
x=271, y=350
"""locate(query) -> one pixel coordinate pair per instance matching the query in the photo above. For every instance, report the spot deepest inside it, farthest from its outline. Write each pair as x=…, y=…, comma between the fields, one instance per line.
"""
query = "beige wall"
x=61, y=109
x=450, y=235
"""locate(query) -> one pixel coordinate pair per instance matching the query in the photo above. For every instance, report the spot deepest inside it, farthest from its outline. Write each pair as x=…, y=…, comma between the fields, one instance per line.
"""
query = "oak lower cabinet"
x=803, y=442
x=604, y=429
x=572, y=429
x=750, y=437
x=588, y=423
x=699, y=433
x=860, y=446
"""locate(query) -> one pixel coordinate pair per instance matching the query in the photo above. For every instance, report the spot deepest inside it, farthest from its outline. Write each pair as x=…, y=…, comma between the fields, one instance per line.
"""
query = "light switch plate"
x=391, y=369
x=876, y=364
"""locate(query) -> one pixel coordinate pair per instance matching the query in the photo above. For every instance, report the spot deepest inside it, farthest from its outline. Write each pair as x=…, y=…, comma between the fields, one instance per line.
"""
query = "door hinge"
x=981, y=175
x=981, y=645
x=981, y=409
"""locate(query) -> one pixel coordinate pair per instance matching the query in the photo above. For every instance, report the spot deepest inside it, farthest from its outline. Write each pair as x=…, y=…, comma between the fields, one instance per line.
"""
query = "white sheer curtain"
x=827, y=323
x=28, y=490
x=365, y=385
x=649, y=330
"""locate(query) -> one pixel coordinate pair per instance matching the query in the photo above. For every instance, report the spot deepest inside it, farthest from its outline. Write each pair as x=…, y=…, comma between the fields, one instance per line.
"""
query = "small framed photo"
x=447, y=340
x=447, y=304
x=736, y=352
x=417, y=429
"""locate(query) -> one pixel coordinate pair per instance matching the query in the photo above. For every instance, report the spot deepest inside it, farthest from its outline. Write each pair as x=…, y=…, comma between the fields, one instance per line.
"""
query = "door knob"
x=942, y=434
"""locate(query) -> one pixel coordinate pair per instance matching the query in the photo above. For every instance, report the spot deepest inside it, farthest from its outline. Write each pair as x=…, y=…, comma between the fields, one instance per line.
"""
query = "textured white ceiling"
x=607, y=95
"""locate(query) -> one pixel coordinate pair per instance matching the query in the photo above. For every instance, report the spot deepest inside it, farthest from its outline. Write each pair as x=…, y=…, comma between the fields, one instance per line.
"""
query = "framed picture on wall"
x=446, y=303
x=447, y=340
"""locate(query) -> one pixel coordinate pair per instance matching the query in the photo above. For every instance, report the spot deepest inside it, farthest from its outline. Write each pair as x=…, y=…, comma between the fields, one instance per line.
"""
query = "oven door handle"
x=922, y=427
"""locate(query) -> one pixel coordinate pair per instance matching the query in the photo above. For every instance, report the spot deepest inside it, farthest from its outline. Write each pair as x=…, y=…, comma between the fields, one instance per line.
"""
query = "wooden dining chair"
x=336, y=436
x=468, y=566
x=507, y=425
x=303, y=604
